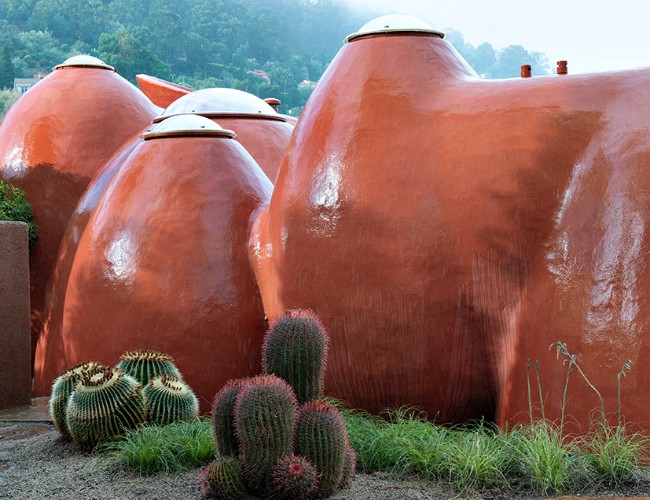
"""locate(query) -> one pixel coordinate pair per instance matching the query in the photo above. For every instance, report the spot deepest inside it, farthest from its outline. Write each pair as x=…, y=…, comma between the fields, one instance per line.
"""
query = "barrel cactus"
x=168, y=400
x=265, y=413
x=321, y=437
x=223, y=418
x=61, y=390
x=144, y=364
x=349, y=467
x=223, y=479
x=295, y=349
x=103, y=404
x=293, y=478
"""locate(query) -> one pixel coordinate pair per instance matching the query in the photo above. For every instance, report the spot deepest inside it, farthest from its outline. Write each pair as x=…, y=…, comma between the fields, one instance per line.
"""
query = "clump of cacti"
x=293, y=478
x=223, y=479
x=223, y=418
x=284, y=452
x=61, y=390
x=295, y=349
x=321, y=437
x=265, y=413
x=169, y=400
x=103, y=404
x=144, y=364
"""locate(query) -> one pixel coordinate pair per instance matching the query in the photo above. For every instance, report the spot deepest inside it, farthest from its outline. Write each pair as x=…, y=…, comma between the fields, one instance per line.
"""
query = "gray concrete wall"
x=15, y=340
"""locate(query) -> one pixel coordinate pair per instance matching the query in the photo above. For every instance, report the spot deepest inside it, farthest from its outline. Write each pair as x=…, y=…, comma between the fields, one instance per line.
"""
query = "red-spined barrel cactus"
x=103, y=404
x=321, y=437
x=265, y=413
x=349, y=467
x=144, y=364
x=293, y=478
x=295, y=349
x=61, y=390
x=168, y=400
x=223, y=418
x=223, y=479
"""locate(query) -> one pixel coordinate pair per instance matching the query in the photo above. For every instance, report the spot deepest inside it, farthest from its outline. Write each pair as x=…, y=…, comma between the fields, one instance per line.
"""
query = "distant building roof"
x=307, y=83
x=261, y=73
x=22, y=85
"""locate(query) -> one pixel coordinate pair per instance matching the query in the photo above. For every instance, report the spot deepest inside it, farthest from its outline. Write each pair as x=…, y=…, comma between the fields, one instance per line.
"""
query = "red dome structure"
x=50, y=359
x=264, y=133
x=55, y=139
x=162, y=262
x=447, y=229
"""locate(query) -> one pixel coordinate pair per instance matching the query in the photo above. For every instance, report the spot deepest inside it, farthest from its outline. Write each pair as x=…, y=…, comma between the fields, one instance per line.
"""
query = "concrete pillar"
x=15, y=340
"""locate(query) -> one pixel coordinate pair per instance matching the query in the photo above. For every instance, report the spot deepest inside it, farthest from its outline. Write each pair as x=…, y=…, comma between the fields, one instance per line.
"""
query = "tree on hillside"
x=129, y=57
x=7, y=74
x=512, y=57
x=38, y=51
x=489, y=63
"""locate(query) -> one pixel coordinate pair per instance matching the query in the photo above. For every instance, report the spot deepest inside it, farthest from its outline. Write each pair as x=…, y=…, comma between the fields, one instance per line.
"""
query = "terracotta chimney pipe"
x=526, y=70
x=562, y=68
x=273, y=102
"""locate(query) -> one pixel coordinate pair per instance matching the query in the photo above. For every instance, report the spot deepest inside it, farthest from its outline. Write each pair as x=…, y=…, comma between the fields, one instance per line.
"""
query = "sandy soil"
x=35, y=463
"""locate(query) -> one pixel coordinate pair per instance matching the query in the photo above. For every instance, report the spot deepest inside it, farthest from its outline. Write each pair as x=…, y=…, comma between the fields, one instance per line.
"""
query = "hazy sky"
x=594, y=35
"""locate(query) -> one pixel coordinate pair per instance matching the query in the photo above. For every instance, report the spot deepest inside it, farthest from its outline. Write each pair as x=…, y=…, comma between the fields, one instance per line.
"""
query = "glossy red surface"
x=52, y=143
x=162, y=263
x=50, y=360
x=161, y=92
x=446, y=229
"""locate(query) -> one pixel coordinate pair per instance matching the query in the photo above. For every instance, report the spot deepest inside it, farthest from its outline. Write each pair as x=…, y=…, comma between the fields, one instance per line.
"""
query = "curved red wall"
x=265, y=140
x=421, y=212
x=50, y=360
x=162, y=263
x=52, y=143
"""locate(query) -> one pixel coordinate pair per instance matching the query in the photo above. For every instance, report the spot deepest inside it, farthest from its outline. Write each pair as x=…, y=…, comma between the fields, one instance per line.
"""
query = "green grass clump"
x=535, y=457
x=479, y=458
x=405, y=443
x=614, y=453
x=164, y=448
x=547, y=461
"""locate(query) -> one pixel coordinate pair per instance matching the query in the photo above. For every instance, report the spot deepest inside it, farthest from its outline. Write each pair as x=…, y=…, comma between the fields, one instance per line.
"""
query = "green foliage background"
x=205, y=43
x=14, y=207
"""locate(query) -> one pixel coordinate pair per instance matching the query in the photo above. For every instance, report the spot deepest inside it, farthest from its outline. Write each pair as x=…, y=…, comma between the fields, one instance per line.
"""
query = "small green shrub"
x=15, y=207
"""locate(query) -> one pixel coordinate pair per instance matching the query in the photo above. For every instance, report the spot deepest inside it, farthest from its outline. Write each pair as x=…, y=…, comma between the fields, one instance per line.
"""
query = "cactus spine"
x=295, y=349
x=143, y=365
x=265, y=413
x=223, y=418
x=321, y=437
x=223, y=479
x=293, y=478
x=169, y=400
x=61, y=390
x=104, y=403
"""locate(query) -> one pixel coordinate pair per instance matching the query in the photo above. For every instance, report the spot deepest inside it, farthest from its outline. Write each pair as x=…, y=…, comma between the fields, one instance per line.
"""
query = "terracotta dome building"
x=54, y=140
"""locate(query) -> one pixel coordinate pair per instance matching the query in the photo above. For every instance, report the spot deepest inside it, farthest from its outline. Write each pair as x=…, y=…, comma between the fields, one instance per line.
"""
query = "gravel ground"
x=35, y=463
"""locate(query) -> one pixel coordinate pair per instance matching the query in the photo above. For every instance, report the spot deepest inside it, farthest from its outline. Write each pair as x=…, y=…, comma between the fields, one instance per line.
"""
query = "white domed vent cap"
x=187, y=126
x=395, y=23
x=221, y=102
x=84, y=61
